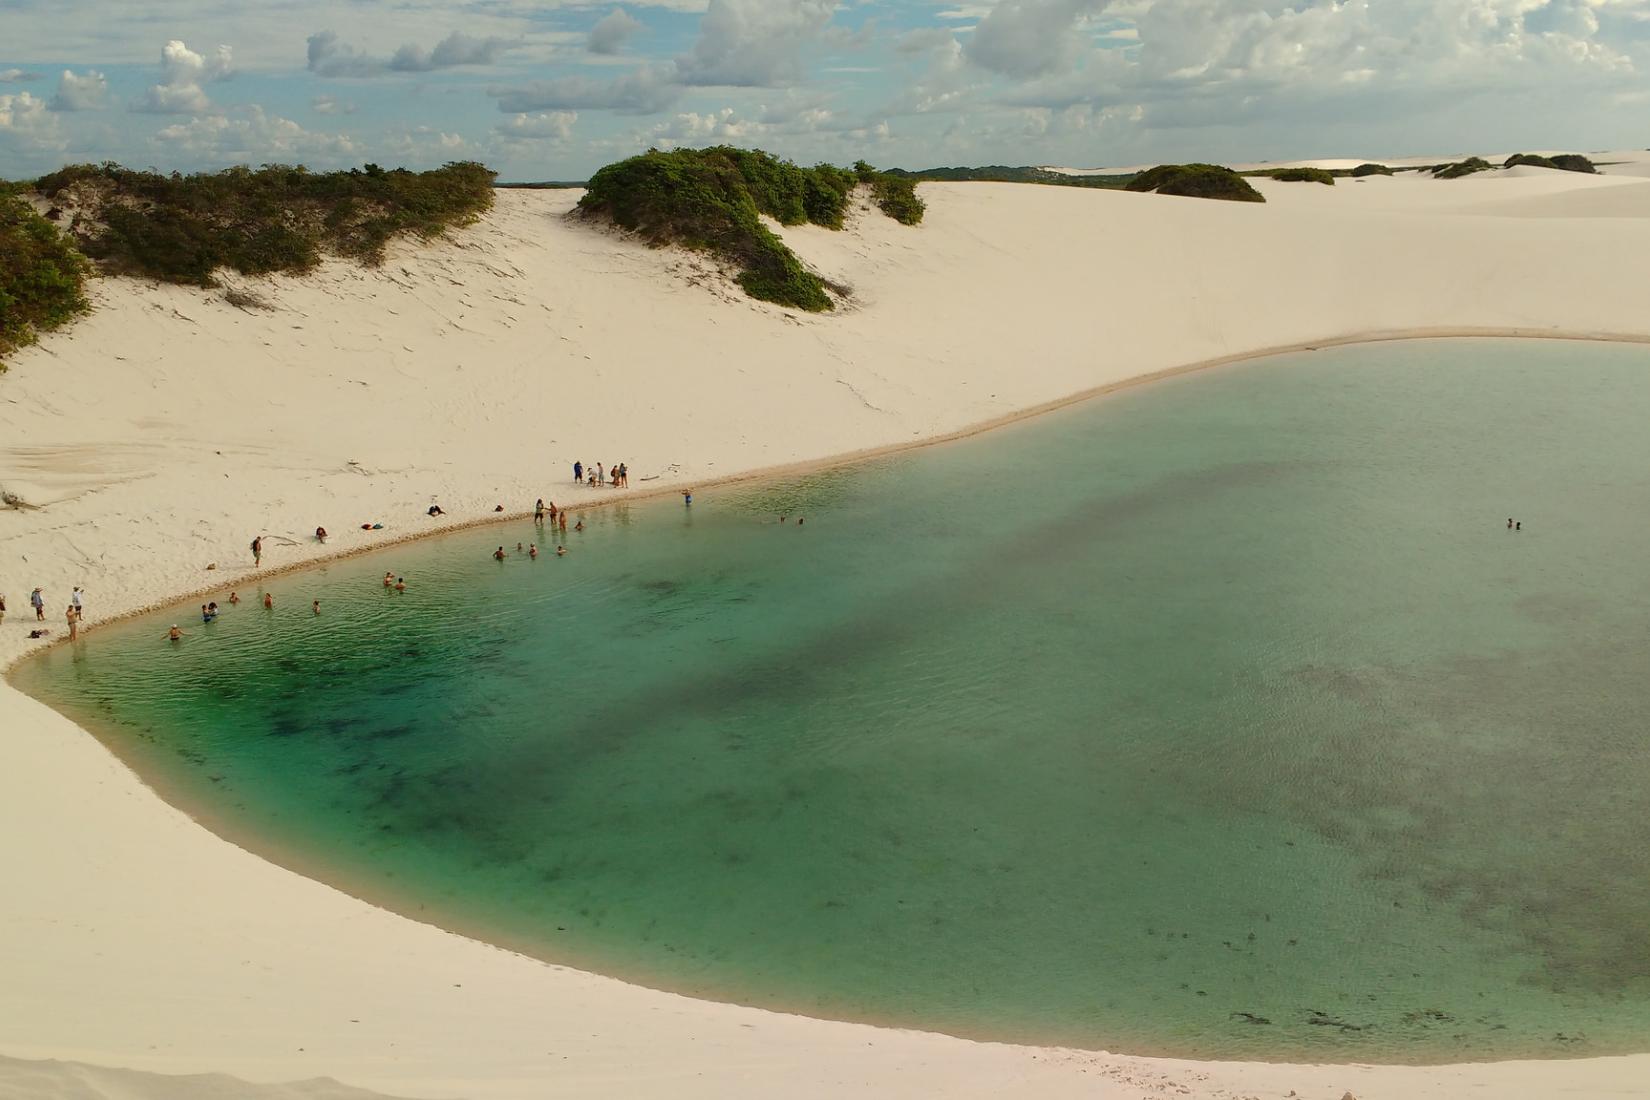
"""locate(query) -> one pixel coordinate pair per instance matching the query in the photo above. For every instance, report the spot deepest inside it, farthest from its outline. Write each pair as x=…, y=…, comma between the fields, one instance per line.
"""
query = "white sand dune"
x=158, y=435
x=53, y=1080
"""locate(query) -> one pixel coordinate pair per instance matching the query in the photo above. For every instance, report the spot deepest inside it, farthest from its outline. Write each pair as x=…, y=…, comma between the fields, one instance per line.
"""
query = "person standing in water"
x=687, y=498
x=234, y=597
x=533, y=550
x=174, y=635
x=74, y=623
x=400, y=584
x=498, y=555
x=538, y=511
x=269, y=601
x=561, y=520
x=389, y=579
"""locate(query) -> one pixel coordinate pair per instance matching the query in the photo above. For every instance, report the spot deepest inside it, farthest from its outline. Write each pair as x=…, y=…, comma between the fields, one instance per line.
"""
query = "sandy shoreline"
x=210, y=959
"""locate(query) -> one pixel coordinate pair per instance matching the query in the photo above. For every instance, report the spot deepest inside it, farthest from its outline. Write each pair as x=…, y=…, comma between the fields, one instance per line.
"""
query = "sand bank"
x=162, y=432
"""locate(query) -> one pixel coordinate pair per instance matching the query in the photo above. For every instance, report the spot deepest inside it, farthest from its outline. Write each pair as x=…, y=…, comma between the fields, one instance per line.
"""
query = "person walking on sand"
x=39, y=603
x=74, y=602
x=578, y=472
x=257, y=551
x=269, y=601
x=74, y=622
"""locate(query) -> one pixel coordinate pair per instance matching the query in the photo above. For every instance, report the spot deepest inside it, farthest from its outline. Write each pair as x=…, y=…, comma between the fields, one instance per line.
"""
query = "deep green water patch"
x=1221, y=717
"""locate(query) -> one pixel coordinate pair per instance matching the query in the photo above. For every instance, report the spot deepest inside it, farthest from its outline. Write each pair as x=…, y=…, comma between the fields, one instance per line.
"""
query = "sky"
x=553, y=89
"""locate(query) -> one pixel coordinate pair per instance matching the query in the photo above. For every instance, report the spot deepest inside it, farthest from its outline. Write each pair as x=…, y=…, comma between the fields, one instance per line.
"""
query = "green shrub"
x=1202, y=181
x=712, y=200
x=896, y=196
x=1371, y=170
x=42, y=277
x=1461, y=168
x=1302, y=175
x=276, y=218
x=1564, y=162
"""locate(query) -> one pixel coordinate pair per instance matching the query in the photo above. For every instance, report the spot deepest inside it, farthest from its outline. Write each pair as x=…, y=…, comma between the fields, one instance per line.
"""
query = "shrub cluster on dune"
x=277, y=218
x=1201, y=181
x=713, y=200
x=42, y=277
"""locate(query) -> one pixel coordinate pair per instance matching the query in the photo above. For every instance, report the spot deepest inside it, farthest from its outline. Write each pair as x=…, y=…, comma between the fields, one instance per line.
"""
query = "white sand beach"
x=156, y=436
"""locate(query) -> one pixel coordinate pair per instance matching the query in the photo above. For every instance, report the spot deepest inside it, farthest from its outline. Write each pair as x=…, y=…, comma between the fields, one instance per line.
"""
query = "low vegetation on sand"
x=1461, y=168
x=1301, y=175
x=42, y=277
x=1564, y=162
x=1202, y=181
x=1370, y=170
x=713, y=200
x=256, y=221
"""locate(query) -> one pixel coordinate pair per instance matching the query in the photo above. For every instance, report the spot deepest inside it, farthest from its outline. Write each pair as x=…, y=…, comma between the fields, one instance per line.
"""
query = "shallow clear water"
x=1229, y=695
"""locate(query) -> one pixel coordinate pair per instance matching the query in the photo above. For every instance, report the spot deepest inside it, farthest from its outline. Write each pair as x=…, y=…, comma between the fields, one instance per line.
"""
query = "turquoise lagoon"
x=1221, y=717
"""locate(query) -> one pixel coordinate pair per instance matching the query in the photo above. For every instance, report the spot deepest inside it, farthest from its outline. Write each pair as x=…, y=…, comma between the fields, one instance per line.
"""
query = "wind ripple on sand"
x=53, y=1080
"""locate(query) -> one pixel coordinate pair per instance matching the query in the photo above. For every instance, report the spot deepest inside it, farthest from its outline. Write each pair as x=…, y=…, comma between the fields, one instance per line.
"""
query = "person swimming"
x=533, y=551
x=561, y=551
x=579, y=526
x=400, y=584
x=234, y=598
x=315, y=606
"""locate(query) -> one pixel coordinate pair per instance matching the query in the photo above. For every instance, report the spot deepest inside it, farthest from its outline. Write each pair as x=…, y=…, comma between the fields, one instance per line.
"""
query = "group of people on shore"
x=599, y=476
x=72, y=615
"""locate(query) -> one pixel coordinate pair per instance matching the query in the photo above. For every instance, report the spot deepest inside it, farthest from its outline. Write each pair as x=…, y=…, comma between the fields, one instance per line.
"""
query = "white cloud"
x=26, y=125
x=644, y=91
x=17, y=76
x=182, y=74
x=331, y=56
x=254, y=136
x=754, y=43
x=1027, y=38
x=547, y=125
x=612, y=31
x=89, y=91
x=331, y=105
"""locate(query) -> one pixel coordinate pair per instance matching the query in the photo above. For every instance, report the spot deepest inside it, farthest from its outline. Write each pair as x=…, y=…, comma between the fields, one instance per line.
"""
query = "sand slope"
x=165, y=430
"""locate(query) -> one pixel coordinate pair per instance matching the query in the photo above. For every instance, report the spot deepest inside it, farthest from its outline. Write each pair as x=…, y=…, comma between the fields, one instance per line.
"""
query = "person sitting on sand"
x=533, y=550
x=435, y=510
x=269, y=601
x=174, y=635
x=321, y=535
x=498, y=507
x=389, y=579
x=561, y=551
x=400, y=584
x=234, y=597
x=498, y=555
